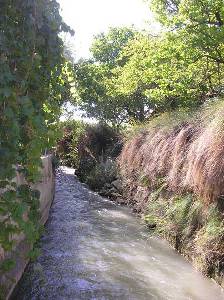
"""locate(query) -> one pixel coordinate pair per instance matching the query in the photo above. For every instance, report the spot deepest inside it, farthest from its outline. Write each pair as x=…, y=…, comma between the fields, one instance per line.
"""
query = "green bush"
x=67, y=148
x=103, y=173
x=90, y=149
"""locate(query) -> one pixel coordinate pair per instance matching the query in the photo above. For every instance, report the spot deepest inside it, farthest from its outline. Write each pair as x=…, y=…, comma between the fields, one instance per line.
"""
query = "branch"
x=218, y=18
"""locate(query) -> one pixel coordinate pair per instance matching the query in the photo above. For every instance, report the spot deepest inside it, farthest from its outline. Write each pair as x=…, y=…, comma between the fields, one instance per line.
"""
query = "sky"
x=90, y=17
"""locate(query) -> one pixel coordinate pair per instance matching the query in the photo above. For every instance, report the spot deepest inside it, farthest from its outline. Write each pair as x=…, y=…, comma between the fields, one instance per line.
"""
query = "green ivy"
x=34, y=82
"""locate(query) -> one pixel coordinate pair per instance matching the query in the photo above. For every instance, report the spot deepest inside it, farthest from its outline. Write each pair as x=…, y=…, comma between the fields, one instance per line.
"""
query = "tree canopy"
x=95, y=79
x=133, y=75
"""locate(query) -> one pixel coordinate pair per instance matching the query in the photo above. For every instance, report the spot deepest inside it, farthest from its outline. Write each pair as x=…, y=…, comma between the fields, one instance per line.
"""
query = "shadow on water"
x=94, y=249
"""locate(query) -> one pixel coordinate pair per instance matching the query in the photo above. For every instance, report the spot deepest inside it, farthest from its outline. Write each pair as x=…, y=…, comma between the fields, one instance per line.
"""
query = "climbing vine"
x=34, y=82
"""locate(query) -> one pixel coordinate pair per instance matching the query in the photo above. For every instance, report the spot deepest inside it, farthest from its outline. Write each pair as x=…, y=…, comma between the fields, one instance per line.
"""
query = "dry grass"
x=189, y=156
x=174, y=174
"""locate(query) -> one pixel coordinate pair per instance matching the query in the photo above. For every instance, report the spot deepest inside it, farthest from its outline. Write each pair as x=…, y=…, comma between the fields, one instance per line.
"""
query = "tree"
x=106, y=48
x=169, y=73
x=96, y=80
x=134, y=75
x=200, y=26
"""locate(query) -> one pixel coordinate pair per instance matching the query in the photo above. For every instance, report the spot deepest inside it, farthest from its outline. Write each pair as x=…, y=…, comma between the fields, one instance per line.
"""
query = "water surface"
x=95, y=249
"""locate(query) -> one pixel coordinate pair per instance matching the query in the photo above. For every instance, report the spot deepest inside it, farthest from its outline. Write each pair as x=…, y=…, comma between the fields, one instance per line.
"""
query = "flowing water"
x=94, y=249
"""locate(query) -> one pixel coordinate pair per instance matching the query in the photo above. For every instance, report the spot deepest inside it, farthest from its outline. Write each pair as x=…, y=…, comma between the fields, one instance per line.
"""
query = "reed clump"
x=189, y=156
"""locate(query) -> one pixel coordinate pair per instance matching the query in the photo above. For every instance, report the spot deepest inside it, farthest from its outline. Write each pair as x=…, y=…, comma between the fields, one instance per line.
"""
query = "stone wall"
x=46, y=186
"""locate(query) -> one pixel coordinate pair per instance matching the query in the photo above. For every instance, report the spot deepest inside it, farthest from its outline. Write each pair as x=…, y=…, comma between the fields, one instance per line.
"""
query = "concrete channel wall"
x=46, y=186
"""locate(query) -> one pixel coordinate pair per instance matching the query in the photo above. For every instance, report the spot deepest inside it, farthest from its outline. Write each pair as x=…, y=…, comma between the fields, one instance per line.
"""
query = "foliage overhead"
x=106, y=48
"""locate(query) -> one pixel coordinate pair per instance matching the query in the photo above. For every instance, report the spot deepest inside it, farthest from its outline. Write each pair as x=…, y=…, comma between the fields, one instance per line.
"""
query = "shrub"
x=102, y=174
x=91, y=150
x=67, y=147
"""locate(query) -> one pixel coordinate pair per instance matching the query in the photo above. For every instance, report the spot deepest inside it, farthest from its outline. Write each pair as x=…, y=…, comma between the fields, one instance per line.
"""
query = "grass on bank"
x=173, y=172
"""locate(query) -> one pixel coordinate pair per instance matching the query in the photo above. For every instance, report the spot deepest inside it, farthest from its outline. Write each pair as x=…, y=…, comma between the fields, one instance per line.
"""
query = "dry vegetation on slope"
x=173, y=172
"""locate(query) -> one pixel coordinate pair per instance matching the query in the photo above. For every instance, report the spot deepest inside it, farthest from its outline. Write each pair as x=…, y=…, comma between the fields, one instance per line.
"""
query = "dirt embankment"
x=173, y=173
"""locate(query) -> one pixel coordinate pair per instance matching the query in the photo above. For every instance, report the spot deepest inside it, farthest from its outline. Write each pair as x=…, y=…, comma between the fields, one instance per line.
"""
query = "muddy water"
x=94, y=249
